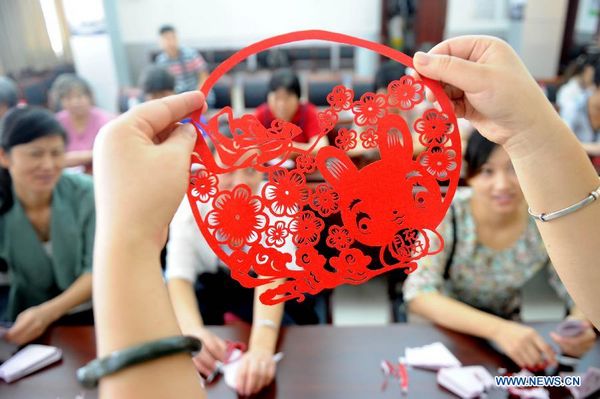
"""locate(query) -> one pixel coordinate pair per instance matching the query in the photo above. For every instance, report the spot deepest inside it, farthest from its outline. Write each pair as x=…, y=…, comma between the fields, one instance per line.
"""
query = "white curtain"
x=24, y=41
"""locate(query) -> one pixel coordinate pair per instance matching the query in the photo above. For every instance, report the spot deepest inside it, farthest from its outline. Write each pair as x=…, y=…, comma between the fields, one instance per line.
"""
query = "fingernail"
x=421, y=58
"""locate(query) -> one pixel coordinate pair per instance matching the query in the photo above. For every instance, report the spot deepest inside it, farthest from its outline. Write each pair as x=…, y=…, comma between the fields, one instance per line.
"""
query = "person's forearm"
x=77, y=158
x=455, y=315
x=555, y=173
x=185, y=305
x=265, y=336
x=79, y=292
x=128, y=278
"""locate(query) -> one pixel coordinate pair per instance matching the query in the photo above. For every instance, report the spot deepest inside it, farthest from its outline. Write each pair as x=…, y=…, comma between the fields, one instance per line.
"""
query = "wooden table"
x=320, y=362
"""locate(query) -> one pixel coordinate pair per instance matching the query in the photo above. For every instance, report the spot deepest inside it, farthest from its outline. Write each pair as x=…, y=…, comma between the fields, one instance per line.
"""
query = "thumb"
x=465, y=75
x=182, y=140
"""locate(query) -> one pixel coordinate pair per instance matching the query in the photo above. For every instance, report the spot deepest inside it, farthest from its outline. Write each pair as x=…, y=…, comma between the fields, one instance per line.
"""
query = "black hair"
x=477, y=153
x=9, y=93
x=166, y=29
x=596, y=67
x=578, y=65
x=155, y=79
x=582, y=62
x=387, y=72
x=66, y=82
x=23, y=125
x=285, y=79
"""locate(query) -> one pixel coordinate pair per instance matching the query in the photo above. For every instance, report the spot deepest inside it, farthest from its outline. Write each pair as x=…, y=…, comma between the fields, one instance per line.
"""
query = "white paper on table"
x=466, y=382
x=230, y=370
x=590, y=383
x=433, y=356
x=28, y=360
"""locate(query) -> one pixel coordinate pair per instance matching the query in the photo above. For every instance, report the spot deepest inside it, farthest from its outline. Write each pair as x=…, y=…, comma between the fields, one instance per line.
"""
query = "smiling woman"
x=47, y=222
x=492, y=250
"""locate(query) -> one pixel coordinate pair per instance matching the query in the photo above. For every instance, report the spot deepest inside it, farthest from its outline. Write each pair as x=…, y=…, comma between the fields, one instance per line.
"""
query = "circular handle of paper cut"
x=324, y=35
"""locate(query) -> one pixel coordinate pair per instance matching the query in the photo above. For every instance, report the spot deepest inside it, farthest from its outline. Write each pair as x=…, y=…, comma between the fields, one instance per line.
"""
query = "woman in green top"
x=47, y=221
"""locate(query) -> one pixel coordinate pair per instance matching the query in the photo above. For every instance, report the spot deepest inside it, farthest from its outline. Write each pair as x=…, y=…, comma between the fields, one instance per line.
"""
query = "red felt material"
x=393, y=204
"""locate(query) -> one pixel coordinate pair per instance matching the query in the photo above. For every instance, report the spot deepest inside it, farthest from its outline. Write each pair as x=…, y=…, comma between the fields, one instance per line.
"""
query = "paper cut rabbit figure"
x=399, y=224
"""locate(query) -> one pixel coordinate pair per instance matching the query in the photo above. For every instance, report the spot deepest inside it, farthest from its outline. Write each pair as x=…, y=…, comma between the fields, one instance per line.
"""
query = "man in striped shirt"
x=185, y=64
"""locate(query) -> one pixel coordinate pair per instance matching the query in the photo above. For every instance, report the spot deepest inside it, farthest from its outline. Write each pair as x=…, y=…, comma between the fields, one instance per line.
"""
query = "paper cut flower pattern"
x=433, y=128
x=369, y=138
x=338, y=238
x=238, y=217
x=277, y=234
x=439, y=162
x=325, y=200
x=306, y=228
x=204, y=184
x=346, y=139
x=327, y=120
x=306, y=163
x=340, y=98
x=369, y=109
x=405, y=93
x=286, y=192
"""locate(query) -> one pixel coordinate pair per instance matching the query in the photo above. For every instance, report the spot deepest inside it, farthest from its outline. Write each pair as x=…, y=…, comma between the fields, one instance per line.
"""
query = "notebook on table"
x=433, y=356
x=28, y=360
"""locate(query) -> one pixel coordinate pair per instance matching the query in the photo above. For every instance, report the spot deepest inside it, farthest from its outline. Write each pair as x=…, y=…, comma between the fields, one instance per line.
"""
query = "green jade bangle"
x=90, y=374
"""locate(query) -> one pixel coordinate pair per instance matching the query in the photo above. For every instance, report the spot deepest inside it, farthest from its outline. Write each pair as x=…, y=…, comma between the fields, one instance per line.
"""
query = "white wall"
x=483, y=17
x=587, y=17
x=537, y=37
x=541, y=42
x=92, y=56
x=237, y=23
x=93, y=53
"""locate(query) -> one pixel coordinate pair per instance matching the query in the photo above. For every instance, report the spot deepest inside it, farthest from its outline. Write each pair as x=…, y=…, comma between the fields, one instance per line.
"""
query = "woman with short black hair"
x=47, y=222
x=283, y=102
x=492, y=248
x=80, y=118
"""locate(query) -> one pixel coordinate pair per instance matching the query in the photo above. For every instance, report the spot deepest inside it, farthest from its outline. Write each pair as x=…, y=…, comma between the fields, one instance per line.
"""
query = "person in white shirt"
x=203, y=293
x=582, y=116
x=580, y=83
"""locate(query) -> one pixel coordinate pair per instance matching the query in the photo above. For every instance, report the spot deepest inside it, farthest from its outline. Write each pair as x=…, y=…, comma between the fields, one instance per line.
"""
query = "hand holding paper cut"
x=393, y=204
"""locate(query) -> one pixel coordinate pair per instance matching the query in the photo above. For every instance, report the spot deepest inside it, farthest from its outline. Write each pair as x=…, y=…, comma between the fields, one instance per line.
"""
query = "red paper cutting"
x=358, y=222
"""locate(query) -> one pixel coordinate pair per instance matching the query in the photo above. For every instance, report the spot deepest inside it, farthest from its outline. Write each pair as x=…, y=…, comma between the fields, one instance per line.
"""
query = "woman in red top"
x=283, y=102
